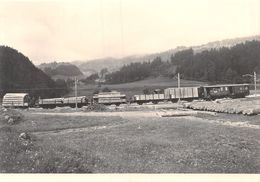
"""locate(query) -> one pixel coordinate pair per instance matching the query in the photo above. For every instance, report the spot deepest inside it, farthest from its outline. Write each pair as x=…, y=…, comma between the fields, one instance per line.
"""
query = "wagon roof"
x=225, y=85
x=15, y=95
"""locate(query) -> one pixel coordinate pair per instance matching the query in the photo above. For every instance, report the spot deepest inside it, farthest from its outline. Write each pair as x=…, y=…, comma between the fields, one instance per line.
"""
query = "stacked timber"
x=236, y=106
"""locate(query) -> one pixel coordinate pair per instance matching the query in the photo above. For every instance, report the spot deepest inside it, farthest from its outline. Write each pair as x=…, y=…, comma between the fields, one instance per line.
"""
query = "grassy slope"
x=140, y=145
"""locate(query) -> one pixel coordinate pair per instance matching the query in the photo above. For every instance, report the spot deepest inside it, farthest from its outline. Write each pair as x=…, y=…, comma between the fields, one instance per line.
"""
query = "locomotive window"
x=226, y=88
x=246, y=88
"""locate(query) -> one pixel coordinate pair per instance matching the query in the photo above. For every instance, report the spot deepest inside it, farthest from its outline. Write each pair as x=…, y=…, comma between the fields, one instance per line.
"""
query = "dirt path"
x=124, y=114
x=65, y=131
x=157, y=114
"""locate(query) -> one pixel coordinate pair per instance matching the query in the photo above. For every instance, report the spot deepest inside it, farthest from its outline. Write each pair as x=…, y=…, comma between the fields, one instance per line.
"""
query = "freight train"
x=210, y=92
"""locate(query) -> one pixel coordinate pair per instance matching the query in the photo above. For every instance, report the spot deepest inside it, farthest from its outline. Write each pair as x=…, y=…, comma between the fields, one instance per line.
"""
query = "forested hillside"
x=114, y=64
x=225, y=65
x=63, y=69
x=18, y=74
x=222, y=65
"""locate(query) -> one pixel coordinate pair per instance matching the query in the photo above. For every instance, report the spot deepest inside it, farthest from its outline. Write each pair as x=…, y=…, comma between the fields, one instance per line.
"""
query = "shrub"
x=96, y=107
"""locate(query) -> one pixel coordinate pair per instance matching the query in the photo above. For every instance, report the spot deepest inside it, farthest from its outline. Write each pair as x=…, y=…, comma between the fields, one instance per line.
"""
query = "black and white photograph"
x=130, y=87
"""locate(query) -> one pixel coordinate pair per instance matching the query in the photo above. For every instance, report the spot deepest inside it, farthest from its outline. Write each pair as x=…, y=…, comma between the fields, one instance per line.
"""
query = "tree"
x=103, y=72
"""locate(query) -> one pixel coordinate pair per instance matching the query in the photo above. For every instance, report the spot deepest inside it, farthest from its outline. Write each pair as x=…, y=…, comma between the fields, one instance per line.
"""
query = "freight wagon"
x=170, y=94
x=61, y=102
x=16, y=100
x=184, y=93
x=109, y=98
x=71, y=101
x=154, y=98
x=50, y=103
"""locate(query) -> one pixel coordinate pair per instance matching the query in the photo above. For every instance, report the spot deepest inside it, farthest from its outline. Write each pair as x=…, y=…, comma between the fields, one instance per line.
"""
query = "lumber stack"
x=230, y=106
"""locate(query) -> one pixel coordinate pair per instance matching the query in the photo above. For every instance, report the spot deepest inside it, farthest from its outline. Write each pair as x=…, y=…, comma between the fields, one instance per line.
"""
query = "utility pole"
x=179, y=86
x=76, y=93
x=255, y=81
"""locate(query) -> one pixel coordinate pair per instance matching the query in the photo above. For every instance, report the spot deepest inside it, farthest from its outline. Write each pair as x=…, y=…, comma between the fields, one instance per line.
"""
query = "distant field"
x=137, y=87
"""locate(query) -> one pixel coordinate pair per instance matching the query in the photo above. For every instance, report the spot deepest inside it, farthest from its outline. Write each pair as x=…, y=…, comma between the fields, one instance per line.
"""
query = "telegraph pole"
x=255, y=81
x=76, y=93
x=179, y=81
x=179, y=86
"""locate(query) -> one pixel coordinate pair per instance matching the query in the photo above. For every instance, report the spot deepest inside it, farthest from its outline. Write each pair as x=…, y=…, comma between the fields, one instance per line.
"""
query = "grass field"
x=129, y=144
x=137, y=87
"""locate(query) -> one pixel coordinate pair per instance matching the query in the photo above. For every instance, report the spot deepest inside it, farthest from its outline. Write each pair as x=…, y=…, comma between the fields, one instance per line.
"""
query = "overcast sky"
x=48, y=31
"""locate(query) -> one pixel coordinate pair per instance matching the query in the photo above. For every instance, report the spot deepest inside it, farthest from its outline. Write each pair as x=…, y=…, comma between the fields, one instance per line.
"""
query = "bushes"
x=10, y=117
x=96, y=107
x=20, y=153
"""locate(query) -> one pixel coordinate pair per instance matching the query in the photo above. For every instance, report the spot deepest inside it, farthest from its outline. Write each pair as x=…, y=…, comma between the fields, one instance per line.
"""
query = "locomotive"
x=209, y=92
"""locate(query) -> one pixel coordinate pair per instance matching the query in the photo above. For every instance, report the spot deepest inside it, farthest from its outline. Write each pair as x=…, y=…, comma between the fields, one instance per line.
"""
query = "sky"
x=47, y=31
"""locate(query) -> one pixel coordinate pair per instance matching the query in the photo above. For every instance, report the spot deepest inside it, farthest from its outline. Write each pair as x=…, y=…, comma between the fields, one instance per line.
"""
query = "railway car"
x=51, y=103
x=62, y=102
x=71, y=101
x=184, y=93
x=228, y=90
x=21, y=100
x=145, y=98
x=109, y=98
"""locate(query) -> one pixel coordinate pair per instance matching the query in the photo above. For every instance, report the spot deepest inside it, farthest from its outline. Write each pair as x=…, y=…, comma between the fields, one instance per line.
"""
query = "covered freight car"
x=184, y=93
x=16, y=100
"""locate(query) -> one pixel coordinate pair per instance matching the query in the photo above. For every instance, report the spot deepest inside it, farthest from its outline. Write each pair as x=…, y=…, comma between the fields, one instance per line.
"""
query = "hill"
x=223, y=65
x=18, y=74
x=114, y=64
x=61, y=70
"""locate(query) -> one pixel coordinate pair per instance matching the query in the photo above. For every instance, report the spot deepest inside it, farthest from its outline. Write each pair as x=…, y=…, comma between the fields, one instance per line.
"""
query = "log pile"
x=236, y=106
